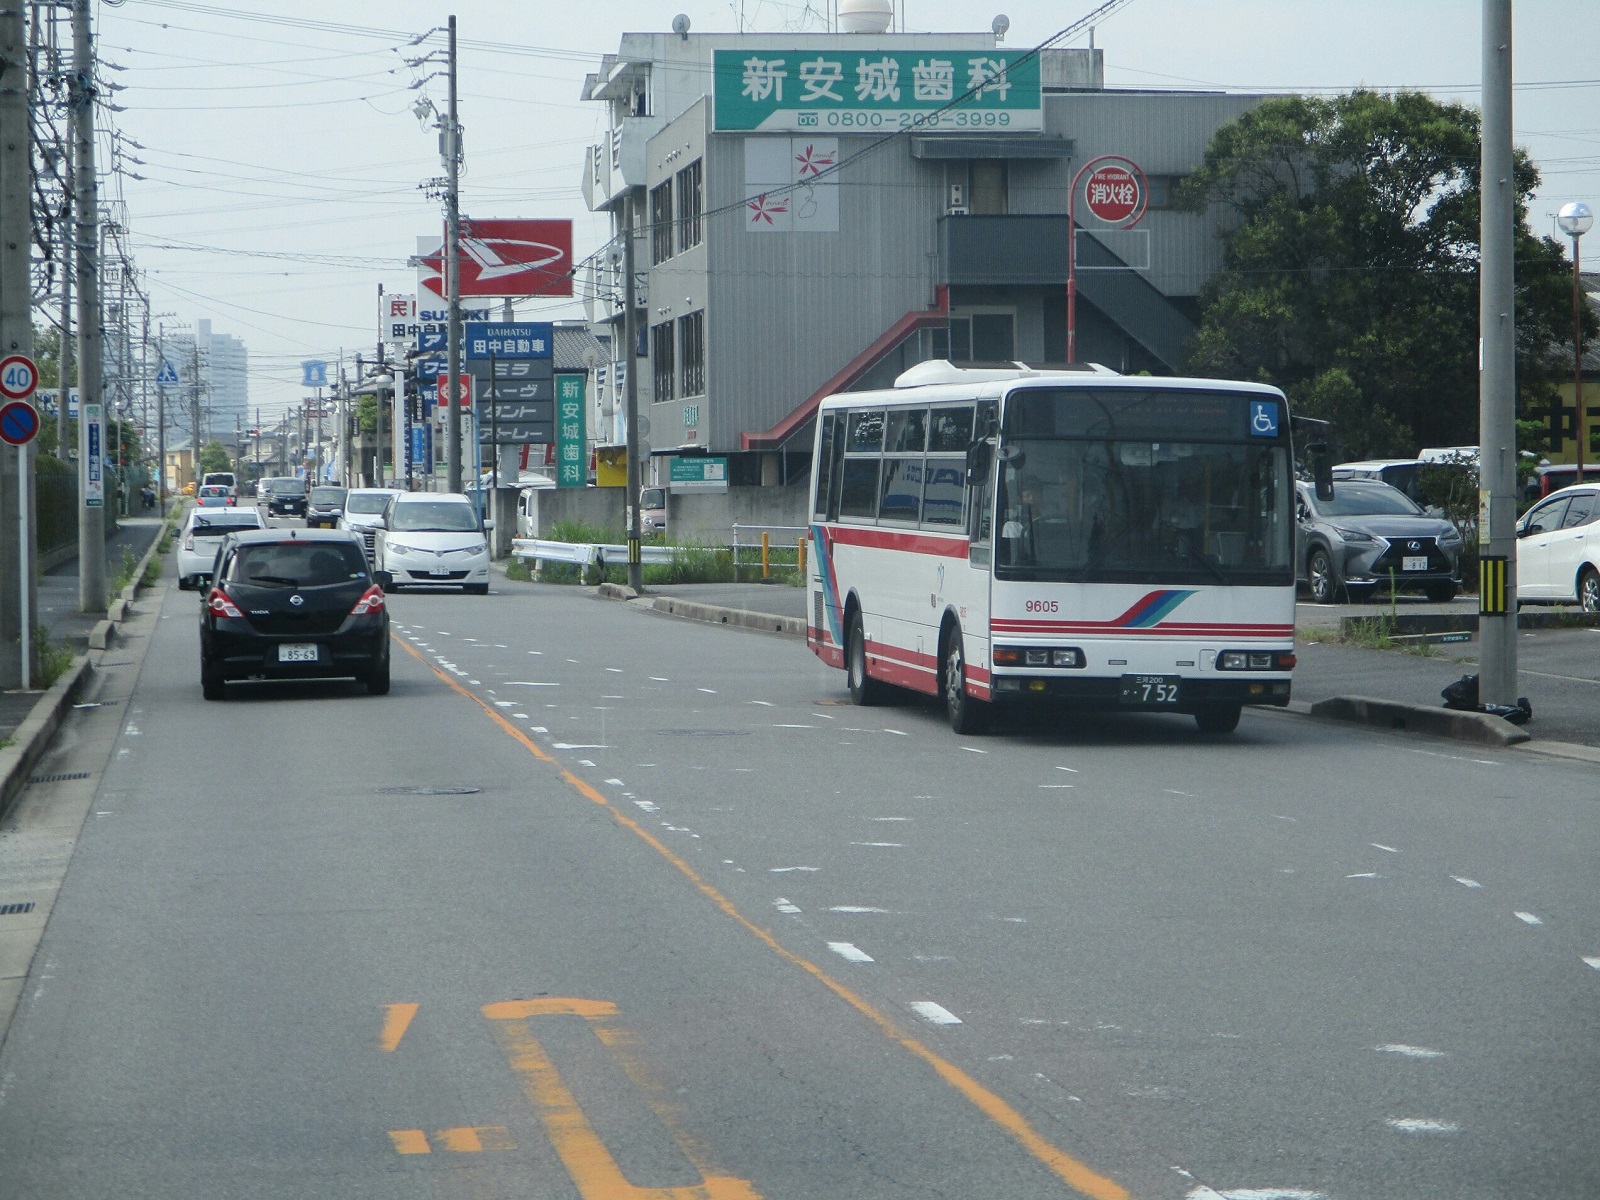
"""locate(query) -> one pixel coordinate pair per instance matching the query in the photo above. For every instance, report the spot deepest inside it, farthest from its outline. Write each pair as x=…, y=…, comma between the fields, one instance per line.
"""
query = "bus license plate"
x=1150, y=690
x=297, y=653
x=1419, y=563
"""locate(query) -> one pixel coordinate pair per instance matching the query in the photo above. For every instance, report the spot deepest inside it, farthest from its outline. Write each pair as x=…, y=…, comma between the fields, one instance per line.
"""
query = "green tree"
x=1350, y=272
x=214, y=457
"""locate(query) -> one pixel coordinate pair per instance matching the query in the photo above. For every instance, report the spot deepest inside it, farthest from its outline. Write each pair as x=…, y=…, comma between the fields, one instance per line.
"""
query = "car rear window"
x=299, y=564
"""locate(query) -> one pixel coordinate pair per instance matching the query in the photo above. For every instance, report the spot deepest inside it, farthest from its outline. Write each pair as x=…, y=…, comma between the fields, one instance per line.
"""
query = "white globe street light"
x=1576, y=219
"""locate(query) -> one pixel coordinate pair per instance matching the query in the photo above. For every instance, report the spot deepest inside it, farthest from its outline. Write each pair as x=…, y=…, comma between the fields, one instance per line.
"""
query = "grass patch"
x=1373, y=633
x=51, y=659
x=130, y=565
x=1319, y=634
x=518, y=571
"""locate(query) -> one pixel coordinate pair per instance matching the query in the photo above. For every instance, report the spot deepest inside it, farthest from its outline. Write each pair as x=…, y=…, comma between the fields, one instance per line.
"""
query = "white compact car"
x=201, y=536
x=432, y=539
x=1558, y=549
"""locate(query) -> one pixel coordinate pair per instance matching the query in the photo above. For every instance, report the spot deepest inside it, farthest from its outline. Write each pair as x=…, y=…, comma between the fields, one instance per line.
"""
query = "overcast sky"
x=281, y=159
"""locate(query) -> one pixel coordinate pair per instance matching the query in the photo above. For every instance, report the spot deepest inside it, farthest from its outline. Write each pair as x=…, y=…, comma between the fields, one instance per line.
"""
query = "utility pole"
x=630, y=338
x=1497, y=442
x=64, y=370
x=16, y=327
x=452, y=270
x=91, y=465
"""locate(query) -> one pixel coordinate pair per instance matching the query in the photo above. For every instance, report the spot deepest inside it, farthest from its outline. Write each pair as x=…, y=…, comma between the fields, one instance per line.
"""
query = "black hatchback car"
x=293, y=604
x=325, y=507
x=288, y=498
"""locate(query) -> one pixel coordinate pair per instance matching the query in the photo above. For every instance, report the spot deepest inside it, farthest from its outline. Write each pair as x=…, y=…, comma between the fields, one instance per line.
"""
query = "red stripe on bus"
x=953, y=546
x=1170, y=629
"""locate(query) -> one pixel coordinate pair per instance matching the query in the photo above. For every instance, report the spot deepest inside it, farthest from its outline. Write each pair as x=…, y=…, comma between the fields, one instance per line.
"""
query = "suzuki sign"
x=509, y=258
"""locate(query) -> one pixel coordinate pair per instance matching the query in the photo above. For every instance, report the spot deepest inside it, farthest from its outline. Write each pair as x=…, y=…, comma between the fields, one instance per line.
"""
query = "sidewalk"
x=58, y=609
x=1559, y=669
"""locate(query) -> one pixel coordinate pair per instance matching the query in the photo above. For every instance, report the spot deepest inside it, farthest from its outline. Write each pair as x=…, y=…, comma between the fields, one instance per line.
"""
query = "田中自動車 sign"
x=876, y=91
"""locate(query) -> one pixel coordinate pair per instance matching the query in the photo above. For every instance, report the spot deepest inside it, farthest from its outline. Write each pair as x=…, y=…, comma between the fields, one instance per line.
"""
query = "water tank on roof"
x=866, y=16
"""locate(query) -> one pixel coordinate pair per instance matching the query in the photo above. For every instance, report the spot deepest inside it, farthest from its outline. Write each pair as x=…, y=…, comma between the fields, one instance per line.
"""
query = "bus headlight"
x=1038, y=656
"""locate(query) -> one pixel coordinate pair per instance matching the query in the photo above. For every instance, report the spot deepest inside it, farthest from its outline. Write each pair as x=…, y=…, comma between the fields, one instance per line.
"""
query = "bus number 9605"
x=1043, y=606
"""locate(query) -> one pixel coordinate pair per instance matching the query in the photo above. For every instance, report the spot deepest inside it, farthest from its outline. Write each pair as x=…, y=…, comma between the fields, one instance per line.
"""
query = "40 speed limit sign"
x=19, y=378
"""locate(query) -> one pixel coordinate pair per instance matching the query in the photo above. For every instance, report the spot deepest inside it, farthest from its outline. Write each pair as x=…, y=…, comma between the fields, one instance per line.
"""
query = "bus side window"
x=836, y=477
x=824, y=472
x=980, y=518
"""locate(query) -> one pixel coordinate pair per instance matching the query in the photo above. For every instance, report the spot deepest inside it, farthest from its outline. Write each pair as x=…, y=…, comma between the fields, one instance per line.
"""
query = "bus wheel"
x=967, y=716
x=864, y=690
x=1218, y=718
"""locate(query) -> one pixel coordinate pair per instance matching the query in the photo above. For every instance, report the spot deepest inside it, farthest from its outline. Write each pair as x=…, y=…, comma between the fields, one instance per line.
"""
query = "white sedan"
x=432, y=539
x=1558, y=549
x=202, y=534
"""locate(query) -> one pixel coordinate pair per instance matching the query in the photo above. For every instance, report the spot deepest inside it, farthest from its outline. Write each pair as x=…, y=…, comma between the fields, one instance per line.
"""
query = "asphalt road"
x=701, y=929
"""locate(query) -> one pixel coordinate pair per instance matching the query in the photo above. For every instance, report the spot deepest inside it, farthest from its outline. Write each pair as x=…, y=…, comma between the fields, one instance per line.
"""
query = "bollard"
x=800, y=557
x=766, y=549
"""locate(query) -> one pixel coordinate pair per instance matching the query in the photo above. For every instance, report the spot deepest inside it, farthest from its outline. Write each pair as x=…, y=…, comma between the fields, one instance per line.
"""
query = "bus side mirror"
x=979, y=456
x=1322, y=469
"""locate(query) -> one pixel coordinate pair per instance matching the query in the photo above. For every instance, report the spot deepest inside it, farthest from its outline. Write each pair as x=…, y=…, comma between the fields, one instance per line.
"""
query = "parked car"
x=215, y=495
x=1372, y=535
x=652, y=512
x=325, y=506
x=363, y=509
x=1550, y=478
x=293, y=604
x=288, y=498
x=201, y=538
x=1558, y=549
x=1403, y=474
x=432, y=539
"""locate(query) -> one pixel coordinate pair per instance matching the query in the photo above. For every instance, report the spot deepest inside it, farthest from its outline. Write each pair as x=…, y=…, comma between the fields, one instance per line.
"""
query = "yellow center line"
x=1077, y=1175
x=396, y=1018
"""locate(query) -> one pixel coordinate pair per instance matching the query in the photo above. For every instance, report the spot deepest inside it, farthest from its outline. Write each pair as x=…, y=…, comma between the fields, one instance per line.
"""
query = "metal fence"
x=760, y=550
x=55, y=510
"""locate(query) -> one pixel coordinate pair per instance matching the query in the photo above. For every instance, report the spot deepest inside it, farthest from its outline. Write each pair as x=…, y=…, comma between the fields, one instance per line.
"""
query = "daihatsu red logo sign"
x=510, y=258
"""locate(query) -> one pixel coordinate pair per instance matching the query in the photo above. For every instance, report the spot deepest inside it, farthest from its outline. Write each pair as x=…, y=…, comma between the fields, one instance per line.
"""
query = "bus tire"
x=864, y=690
x=1218, y=718
x=967, y=716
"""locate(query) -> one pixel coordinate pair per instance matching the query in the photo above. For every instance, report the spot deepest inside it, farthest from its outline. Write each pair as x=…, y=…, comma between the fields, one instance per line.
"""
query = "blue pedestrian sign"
x=166, y=374
x=313, y=374
x=1264, y=418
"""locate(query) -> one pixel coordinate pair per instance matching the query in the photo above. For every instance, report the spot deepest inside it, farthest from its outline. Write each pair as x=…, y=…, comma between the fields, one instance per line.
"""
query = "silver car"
x=1372, y=536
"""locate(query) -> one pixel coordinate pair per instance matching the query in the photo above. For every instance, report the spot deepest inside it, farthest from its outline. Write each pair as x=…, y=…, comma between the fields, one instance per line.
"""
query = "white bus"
x=996, y=536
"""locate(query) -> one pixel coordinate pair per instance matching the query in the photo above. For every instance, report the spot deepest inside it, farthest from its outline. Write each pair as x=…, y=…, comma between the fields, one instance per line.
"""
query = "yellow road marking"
x=410, y=1141
x=465, y=1139
x=396, y=1017
x=1074, y=1173
x=585, y=1156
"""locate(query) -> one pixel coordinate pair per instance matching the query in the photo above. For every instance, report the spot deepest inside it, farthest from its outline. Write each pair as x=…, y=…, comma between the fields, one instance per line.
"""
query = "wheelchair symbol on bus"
x=1263, y=419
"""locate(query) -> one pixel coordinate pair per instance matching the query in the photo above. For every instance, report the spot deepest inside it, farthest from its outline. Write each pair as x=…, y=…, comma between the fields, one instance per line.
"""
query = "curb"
x=33, y=736
x=712, y=614
x=616, y=591
x=1482, y=728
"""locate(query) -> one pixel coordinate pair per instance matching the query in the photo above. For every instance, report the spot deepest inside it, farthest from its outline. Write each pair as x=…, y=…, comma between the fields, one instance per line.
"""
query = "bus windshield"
x=1120, y=509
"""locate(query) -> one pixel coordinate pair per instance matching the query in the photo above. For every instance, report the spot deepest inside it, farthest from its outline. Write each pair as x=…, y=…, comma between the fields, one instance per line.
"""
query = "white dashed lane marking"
x=849, y=953
x=936, y=1013
x=1529, y=918
x=1470, y=883
x=1422, y=1125
x=1409, y=1051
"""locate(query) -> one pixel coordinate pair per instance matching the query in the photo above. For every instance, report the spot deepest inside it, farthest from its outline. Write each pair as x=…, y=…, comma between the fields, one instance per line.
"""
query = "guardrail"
x=760, y=550
x=587, y=554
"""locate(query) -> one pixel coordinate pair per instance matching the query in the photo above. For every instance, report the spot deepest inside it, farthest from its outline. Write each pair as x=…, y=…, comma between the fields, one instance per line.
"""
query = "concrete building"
x=213, y=372
x=817, y=212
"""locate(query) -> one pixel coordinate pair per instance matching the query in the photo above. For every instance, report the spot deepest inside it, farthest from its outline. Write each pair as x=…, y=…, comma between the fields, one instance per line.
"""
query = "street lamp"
x=1575, y=220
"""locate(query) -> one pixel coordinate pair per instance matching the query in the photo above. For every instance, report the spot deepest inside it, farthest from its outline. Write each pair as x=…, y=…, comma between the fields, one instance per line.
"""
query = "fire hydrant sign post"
x=19, y=425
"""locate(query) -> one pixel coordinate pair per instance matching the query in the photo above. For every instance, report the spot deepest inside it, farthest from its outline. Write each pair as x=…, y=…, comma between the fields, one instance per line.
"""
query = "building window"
x=691, y=203
x=988, y=337
x=661, y=223
x=692, y=346
x=987, y=196
x=662, y=361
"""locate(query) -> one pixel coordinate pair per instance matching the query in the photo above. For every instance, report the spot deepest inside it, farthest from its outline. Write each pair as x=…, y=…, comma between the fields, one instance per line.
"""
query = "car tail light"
x=220, y=605
x=188, y=542
x=371, y=601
